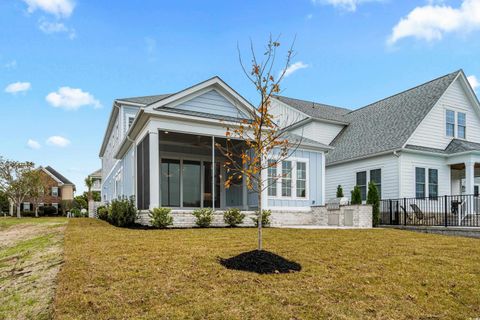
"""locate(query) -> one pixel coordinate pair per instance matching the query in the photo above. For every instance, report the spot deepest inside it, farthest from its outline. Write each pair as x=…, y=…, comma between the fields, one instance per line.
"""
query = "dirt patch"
x=30, y=258
x=262, y=262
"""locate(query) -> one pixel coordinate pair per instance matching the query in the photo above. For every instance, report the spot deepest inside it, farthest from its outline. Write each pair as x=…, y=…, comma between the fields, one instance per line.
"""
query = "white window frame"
x=458, y=125
x=454, y=122
x=293, y=196
x=368, y=169
x=427, y=180
x=128, y=121
x=54, y=204
x=26, y=204
x=56, y=193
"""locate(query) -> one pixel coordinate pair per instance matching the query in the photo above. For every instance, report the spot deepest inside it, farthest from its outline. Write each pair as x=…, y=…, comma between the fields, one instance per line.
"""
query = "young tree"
x=258, y=144
x=14, y=181
x=339, y=191
x=356, y=195
x=89, y=185
x=38, y=188
x=373, y=198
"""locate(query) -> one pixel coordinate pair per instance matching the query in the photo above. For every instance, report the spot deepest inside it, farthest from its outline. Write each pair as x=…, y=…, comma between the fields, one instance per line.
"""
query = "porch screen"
x=191, y=183
x=170, y=183
x=143, y=174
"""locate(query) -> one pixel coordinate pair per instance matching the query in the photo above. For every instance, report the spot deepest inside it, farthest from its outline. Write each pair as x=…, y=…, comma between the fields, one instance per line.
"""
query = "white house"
x=160, y=150
x=422, y=142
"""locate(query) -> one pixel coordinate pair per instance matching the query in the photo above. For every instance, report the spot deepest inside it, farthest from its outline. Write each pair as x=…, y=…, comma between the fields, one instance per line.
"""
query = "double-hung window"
x=272, y=178
x=450, y=123
x=301, y=183
x=433, y=183
x=54, y=191
x=420, y=182
x=362, y=183
x=461, y=125
x=286, y=178
x=376, y=178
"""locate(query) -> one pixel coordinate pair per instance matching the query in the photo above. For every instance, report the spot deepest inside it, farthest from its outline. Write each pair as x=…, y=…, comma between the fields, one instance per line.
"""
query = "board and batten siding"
x=314, y=176
x=432, y=133
x=285, y=115
x=211, y=102
x=322, y=132
x=345, y=175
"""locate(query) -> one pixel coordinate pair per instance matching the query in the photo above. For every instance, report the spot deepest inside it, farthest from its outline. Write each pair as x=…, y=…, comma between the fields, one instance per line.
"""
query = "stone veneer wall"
x=360, y=216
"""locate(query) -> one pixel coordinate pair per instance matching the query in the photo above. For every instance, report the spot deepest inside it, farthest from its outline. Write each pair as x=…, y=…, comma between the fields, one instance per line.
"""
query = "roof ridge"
x=314, y=102
x=149, y=96
x=407, y=90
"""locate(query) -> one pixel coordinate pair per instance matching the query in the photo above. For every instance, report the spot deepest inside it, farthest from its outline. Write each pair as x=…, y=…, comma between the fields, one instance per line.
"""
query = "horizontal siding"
x=211, y=102
x=345, y=175
x=431, y=131
x=319, y=131
x=284, y=115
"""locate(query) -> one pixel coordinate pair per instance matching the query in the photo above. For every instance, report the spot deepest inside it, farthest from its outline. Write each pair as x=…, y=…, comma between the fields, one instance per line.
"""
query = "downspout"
x=399, y=173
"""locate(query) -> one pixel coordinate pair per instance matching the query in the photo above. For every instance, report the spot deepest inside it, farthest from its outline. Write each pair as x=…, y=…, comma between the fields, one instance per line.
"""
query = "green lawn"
x=113, y=273
x=6, y=222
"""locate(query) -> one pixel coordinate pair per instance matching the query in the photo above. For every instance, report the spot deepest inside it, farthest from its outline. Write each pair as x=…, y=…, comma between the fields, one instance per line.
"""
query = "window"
x=55, y=205
x=286, y=179
x=433, y=183
x=420, y=182
x=301, y=180
x=475, y=191
x=462, y=125
x=362, y=183
x=130, y=121
x=26, y=206
x=272, y=178
x=191, y=183
x=376, y=178
x=55, y=191
x=450, y=123
x=170, y=171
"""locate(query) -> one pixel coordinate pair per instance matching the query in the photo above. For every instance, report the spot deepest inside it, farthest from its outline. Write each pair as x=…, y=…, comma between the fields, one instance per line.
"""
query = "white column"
x=213, y=173
x=469, y=185
x=154, y=170
x=322, y=203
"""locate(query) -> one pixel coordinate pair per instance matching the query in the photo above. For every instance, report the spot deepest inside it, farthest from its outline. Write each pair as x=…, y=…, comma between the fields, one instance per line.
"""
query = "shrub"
x=48, y=210
x=161, y=217
x=339, y=191
x=102, y=213
x=265, y=218
x=28, y=213
x=204, y=217
x=373, y=198
x=79, y=203
x=122, y=212
x=233, y=217
x=75, y=212
x=356, y=195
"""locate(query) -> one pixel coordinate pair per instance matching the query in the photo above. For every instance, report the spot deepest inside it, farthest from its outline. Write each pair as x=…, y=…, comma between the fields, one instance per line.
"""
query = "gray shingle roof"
x=316, y=110
x=58, y=175
x=387, y=124
x=202, y=114
x=146, y=100
x=297, y=139
x=455, y=146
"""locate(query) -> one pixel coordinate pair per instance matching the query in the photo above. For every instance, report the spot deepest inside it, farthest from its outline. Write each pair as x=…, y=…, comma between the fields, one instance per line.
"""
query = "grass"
x=30, y=257
x=113, y=273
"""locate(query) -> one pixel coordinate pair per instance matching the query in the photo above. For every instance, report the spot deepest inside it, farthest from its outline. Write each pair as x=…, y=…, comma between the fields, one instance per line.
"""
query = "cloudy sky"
x=62, y=62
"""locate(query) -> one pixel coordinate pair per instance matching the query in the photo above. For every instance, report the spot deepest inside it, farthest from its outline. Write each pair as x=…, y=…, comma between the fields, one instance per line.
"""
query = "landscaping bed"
x=117, y=273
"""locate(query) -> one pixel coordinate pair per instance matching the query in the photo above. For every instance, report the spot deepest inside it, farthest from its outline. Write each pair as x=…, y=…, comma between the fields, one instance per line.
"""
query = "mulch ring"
x=261, y=262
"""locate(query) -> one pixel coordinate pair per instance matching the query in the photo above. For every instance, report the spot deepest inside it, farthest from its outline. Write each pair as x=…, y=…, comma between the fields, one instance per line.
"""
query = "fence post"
x=446, y=211
x=405, y=213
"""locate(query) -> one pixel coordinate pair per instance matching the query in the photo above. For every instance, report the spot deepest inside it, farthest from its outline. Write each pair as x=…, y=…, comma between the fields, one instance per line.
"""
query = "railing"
x=447, y=211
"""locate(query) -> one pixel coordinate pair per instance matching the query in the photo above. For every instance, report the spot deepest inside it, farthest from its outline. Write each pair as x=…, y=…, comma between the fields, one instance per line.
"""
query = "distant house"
x=422, y=142
x=59, y=189
x=97, y=180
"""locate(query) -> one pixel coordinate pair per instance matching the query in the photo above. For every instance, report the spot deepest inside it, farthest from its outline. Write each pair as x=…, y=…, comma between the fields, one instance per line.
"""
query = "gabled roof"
x=387, y=124
x=146, y=100
x=455, y=146
x=316, y=110
x=96, y=173
x=58, y=176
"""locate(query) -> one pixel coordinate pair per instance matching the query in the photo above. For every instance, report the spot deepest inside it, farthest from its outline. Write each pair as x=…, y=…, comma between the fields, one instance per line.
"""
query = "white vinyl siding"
x=322, y=132
x=285, y=115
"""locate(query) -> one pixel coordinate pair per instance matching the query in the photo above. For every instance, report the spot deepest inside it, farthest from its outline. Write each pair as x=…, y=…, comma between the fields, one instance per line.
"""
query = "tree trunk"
x=36, y=211
x=18, y=211
x=260, y=216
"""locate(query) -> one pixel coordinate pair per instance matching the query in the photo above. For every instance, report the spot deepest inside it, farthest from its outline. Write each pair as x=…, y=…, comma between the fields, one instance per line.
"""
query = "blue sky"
x=63, y=62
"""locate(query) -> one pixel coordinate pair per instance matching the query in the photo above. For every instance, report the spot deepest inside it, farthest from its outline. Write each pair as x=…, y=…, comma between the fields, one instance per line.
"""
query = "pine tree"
x=373, y=199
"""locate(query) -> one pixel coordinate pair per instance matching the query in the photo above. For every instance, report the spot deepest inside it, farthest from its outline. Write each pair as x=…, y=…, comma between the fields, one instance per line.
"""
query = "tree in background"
x=356, y=195
x=339, y=191
x=373, y=198
x=38, y=188
x=89, y=185
x=65, y=206
x=4, y=203
x=14, y=181
x=80, y=202
x=258, y=143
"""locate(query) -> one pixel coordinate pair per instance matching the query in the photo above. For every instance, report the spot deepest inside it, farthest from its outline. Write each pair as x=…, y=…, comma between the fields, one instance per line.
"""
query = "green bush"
x=233, y=217
x=373, y=198
x=28, y=213
x=356, y=195
x=339, y=191
x=122, y=212
x=161, y=217
x=102, y=212
x=204, y=217
x=265, y=218
x=48, y=211
x=75, y=212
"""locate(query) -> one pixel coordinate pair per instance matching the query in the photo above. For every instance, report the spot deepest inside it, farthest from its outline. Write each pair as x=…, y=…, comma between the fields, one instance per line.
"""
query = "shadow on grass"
x=261, y=262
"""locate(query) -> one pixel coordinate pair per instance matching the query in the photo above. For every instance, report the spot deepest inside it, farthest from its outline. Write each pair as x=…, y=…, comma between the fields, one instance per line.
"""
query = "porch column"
x=154, y=170
x=213, y=173
x=469, y=184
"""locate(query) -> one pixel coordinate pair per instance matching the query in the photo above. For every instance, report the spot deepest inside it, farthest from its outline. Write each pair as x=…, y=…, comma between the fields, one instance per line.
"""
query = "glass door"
x=207, y=185
x=170, y=171
x=191, y=182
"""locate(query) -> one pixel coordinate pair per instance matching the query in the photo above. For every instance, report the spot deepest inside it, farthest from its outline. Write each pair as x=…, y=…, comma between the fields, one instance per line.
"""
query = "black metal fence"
x=447, y=211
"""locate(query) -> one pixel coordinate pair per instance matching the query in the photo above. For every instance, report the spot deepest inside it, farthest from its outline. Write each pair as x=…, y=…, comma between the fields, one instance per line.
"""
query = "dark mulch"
x=262, y=262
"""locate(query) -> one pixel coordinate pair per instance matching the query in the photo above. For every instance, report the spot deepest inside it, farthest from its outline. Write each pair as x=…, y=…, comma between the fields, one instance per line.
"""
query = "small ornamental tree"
x=259, y=143
x=356, y=195
x=14, y=181
x=373, y=198
x=89, y=185
x=339, y=191
x=38, y=188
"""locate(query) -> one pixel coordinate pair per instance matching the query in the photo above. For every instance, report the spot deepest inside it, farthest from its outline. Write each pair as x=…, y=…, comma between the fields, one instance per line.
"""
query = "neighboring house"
x=159, y=150
x=59, y=189
x=422, y=142
x=97, y=180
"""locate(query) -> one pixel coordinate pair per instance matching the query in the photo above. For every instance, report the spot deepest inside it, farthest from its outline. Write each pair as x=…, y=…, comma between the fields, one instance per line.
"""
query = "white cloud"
x=71, y=99
x=349, y=5
x=32, y=144
x=295, y=67
x=59, y=8
x=309, y=16
x=58, y=141
x=56, y=27
x=11, y=64
x=473, y=82
x=17, y=87
x=432, y=21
